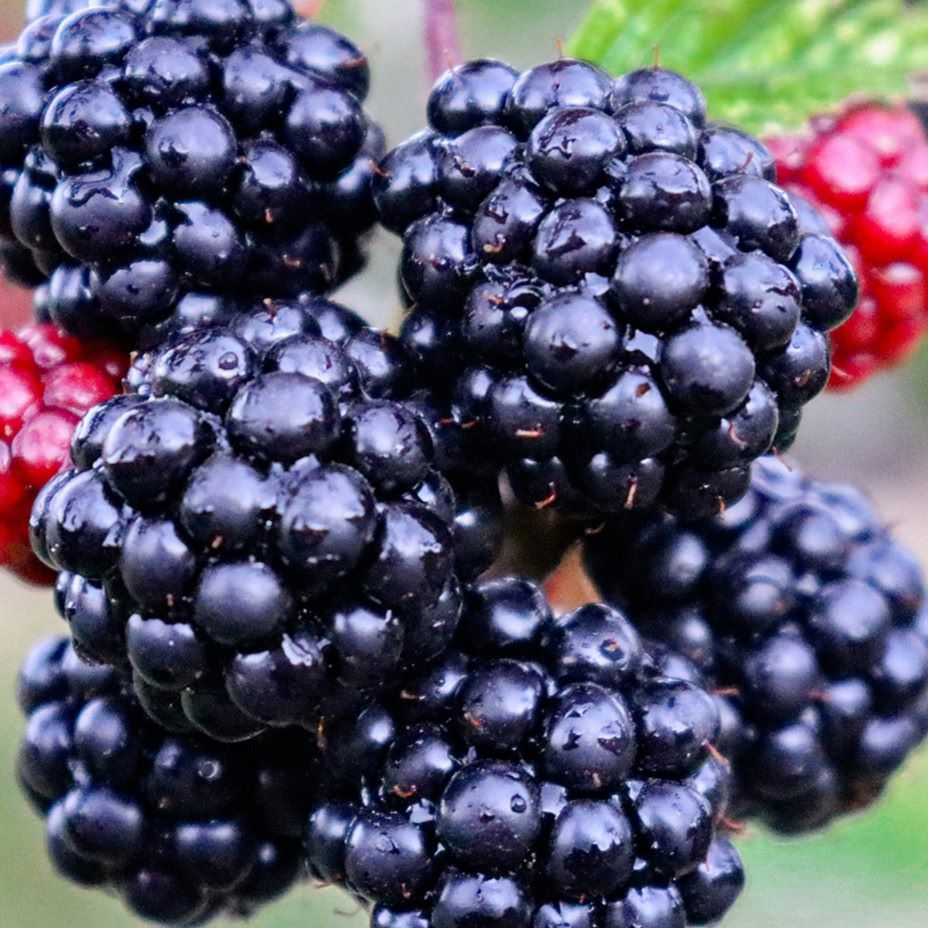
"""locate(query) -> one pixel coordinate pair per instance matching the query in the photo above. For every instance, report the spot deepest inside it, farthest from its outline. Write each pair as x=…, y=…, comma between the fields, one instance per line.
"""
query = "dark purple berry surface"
x=542, y=772
x=611, y=286
x=259, y=534
x=801, y=608
x=181, y=828
x=156, y=151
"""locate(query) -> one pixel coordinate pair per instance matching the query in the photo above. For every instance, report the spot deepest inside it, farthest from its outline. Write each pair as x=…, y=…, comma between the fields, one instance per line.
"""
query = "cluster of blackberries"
x=635, y=310
x=800, y=606
x=268, y=549
x=545, y=774
x=181, y=828
x=260, y=522
x=157, y=149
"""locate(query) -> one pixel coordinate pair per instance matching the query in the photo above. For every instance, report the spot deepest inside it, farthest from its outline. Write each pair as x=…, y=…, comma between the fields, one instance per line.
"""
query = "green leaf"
x=766, y=65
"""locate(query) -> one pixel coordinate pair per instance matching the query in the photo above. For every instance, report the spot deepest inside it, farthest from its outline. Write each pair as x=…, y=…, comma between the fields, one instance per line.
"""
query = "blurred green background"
x=870, y=872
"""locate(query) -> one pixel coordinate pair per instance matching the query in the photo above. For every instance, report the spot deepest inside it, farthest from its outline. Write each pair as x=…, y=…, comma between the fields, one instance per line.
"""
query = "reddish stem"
x=441, y=36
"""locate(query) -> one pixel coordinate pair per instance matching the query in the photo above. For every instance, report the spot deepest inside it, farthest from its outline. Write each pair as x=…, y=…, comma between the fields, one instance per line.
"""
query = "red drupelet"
x=48, y=380
x=866, y=171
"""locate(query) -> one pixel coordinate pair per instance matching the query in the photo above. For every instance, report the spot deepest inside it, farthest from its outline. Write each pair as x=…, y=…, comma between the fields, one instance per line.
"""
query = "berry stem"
x=441, y=37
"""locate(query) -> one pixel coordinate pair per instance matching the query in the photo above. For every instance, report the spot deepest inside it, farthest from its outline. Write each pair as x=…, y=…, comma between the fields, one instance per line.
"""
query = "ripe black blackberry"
x=799, y=603
x=154, y=150
x=261, y=525
x=17, y=265
x=180, y=828
x=16, y=260
x=544, y=774
x=635, y=310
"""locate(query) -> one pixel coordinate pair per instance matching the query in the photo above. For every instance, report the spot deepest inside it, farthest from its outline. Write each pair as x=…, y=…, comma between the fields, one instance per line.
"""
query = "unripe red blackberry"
x=631, y=306
x=47, y=382
x=866, y=172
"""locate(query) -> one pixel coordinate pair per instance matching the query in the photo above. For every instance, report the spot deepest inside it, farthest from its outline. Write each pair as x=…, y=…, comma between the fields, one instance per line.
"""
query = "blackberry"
x=16, y=260
x=17, y=264
x=155, y=151
x=798, y=603
x=543, y=772
x=864, y=168
x=182, y=829
x=260, y=525
x=633, y=309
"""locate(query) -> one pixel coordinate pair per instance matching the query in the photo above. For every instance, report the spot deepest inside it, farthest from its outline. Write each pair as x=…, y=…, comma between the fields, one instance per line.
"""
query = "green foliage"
x=765, y=65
